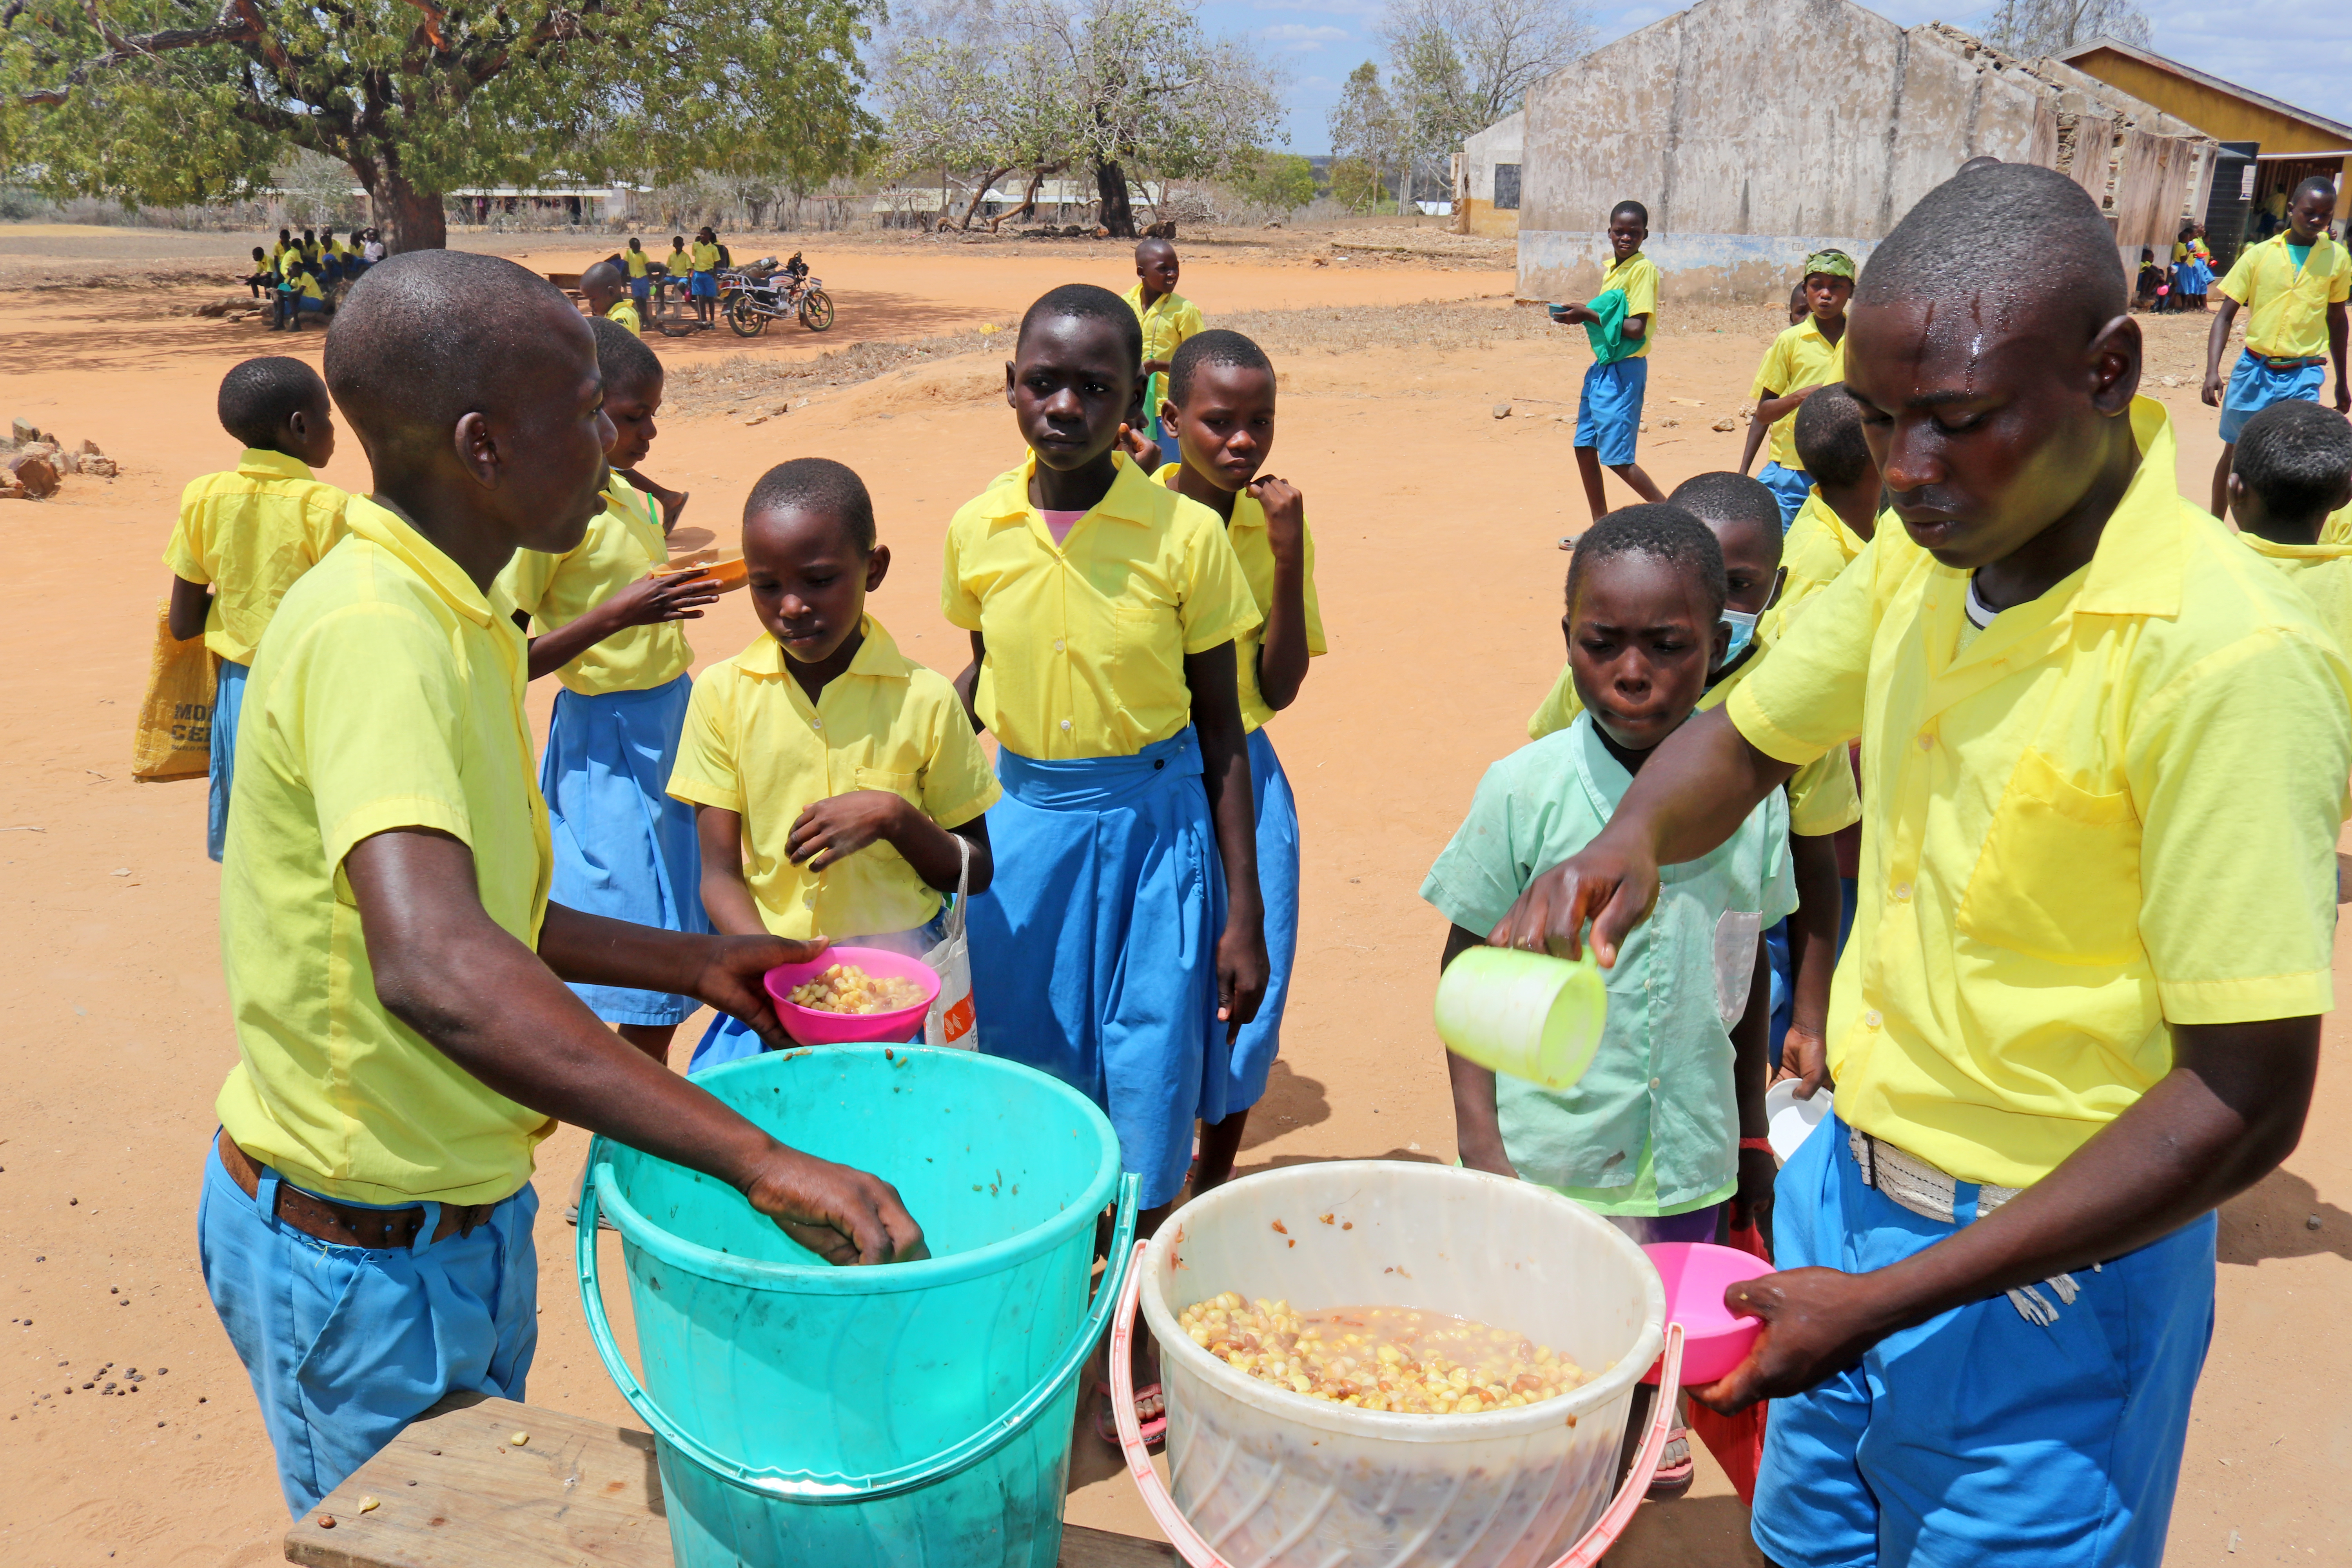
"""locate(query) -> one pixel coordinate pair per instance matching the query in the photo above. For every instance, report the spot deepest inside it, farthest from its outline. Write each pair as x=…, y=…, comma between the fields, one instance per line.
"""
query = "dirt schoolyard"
x=1429, y=422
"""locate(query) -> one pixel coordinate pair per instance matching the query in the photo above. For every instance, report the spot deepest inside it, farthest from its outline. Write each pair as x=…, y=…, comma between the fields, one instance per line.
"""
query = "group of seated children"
x=302, y=274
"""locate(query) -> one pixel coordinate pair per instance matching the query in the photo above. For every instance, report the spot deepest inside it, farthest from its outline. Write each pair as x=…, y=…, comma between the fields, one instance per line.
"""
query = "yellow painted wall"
x=1485, y=217
x=2221, y=115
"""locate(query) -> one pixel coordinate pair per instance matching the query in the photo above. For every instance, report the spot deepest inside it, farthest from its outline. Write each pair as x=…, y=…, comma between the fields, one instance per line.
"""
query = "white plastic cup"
x=1526, y=1014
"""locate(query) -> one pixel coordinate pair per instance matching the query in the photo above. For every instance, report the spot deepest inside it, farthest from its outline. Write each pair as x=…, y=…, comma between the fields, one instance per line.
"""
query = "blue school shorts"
x=347, y=1345
x=1978, y=1436
x=228, y=701
x=1609, y=409
x=1790, y=487
x=641, y=289
x=703, y=286
x=2255, y=385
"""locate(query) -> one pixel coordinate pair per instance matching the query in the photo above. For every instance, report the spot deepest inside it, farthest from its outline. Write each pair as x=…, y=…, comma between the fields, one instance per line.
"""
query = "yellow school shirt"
x=2114, y=811
x=2338, y=528
x=2324, y=573
x=755, y=745
x=2286, y=306
x=390, y=697
x=1821, y=798
x=677, y=263
x=1819, y=547
x=1086, y=639
x=626, y=312
x=706, y=258
x=1637, y=275
x=250, y=533
x=623, y=543
x=1167, y=321
x=1247, y=531
x=638, y=263
x=1799, y=357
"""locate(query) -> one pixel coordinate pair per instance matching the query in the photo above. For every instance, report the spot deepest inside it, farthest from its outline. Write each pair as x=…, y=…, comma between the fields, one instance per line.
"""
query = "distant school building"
x=1757, y=131
x=2267, y=147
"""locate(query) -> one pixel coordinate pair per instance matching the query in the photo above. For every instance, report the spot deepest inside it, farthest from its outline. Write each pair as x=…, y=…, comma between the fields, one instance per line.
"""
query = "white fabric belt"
x=1932, y=1192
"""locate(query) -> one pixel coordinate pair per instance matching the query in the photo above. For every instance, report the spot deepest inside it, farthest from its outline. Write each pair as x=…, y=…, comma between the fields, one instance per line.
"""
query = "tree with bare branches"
x=1458, y=65
x=166, y=101
x=2031, y=28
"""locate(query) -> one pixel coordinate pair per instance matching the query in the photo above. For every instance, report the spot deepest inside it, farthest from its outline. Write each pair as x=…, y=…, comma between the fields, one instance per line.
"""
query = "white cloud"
x=1301, y=37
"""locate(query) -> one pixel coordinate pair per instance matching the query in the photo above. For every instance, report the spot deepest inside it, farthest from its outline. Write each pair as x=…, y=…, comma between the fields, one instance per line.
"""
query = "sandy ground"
x=1436, y=524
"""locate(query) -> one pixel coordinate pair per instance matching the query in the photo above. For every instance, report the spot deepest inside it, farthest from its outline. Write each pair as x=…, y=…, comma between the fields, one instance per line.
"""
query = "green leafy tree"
x=169, y=102
x=1283, y=181
x=1365, y=130
x=1356, y=184
x=1152, y=93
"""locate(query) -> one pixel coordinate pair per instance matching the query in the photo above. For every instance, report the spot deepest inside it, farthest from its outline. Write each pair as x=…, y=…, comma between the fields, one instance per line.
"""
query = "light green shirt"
x=1653, y=1128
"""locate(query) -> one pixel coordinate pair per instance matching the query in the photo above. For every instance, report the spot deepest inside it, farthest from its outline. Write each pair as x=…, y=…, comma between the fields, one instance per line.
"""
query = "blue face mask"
x=1743, y=632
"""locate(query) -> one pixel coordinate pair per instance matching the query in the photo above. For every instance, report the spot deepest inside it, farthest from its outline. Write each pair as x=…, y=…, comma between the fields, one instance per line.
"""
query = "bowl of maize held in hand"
x=849, y=993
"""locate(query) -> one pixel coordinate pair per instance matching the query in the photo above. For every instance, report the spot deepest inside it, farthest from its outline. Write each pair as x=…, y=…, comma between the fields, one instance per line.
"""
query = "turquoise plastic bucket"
x=917, y=1414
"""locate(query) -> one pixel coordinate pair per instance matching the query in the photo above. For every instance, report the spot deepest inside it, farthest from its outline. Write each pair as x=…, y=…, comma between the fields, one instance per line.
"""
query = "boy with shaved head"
x=1168, y=318
x=2081, y=1004
x=394, y=965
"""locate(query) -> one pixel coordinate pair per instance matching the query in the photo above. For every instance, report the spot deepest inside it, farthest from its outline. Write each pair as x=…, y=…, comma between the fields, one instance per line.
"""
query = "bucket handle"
x=1196, y=1550
x=812, y=1487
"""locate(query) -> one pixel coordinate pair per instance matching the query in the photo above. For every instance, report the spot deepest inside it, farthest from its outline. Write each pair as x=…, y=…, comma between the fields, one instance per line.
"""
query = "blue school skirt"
x=1790, y=487
x=228, y=701
x=1978, y=1436
x=1277, y=881
x=1609, y=409
x=623, y=848
x=1094, y=950
x=2256, y=383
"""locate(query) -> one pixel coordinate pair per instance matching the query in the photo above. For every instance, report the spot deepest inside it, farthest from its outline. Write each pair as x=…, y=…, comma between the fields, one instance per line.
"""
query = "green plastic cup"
x=1527, y=1015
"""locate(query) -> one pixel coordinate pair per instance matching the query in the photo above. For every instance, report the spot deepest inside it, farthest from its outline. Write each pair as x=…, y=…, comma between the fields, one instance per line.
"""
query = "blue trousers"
x=623, y=848
x=1094, y=950
x=1789, y=486
x=347, y=1345
x=1978, y=1436
x=228, y=702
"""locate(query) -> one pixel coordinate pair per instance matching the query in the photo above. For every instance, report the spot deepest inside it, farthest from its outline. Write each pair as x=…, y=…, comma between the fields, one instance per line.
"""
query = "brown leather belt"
x=348, y=1224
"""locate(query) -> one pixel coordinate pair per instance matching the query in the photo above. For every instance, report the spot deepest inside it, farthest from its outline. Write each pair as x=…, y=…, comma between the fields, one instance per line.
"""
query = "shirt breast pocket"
x=1147, y=656
x=2059, y=875
x=905, y=786
x=1734, y=962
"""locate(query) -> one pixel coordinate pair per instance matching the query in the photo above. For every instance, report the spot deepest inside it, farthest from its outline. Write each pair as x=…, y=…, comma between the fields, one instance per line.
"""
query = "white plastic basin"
x=1275, y=1479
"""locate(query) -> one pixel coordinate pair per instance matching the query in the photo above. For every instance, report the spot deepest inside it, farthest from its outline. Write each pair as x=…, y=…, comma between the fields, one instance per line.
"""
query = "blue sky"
x=2299, y=50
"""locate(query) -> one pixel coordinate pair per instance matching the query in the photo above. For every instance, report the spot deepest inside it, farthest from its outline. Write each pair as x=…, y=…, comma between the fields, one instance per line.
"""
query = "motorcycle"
x=766, y=292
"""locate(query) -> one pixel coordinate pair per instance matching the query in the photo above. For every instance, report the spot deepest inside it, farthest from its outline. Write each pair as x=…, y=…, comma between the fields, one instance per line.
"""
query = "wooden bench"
x=453, y=1491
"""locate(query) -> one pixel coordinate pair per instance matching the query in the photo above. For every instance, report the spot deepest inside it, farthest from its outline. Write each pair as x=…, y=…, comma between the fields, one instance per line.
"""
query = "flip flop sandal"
x=1675, y=1470
x=604, y=1220
x=1154, y=1428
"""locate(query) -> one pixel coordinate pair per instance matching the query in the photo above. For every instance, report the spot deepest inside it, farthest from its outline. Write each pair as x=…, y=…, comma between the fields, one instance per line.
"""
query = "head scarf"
x=1836, y=263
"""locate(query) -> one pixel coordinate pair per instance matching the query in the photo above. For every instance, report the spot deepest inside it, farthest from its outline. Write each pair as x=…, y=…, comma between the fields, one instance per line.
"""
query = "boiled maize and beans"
x=1381, y=1358
x=846, y=988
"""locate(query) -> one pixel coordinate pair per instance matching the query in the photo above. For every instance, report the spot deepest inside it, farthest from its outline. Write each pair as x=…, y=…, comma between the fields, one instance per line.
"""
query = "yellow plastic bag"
x=174, y=738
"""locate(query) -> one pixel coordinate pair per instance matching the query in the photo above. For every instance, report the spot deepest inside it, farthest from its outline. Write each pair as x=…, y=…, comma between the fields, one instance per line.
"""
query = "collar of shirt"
x=379, y=525
x=1831, y=523
x=260, y=463
x=1128, y=499
x=2324, y=550
x=877, y=659
x=1249, y=512
x=637, y=508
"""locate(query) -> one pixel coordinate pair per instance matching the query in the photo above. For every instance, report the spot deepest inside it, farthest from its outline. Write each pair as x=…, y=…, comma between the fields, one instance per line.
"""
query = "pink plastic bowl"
x=1696, y=1276
x=813, y=1027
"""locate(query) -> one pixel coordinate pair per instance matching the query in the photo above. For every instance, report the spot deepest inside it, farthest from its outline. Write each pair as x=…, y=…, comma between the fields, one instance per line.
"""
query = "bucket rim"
x=829, y=1279
x=1400, y=1425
